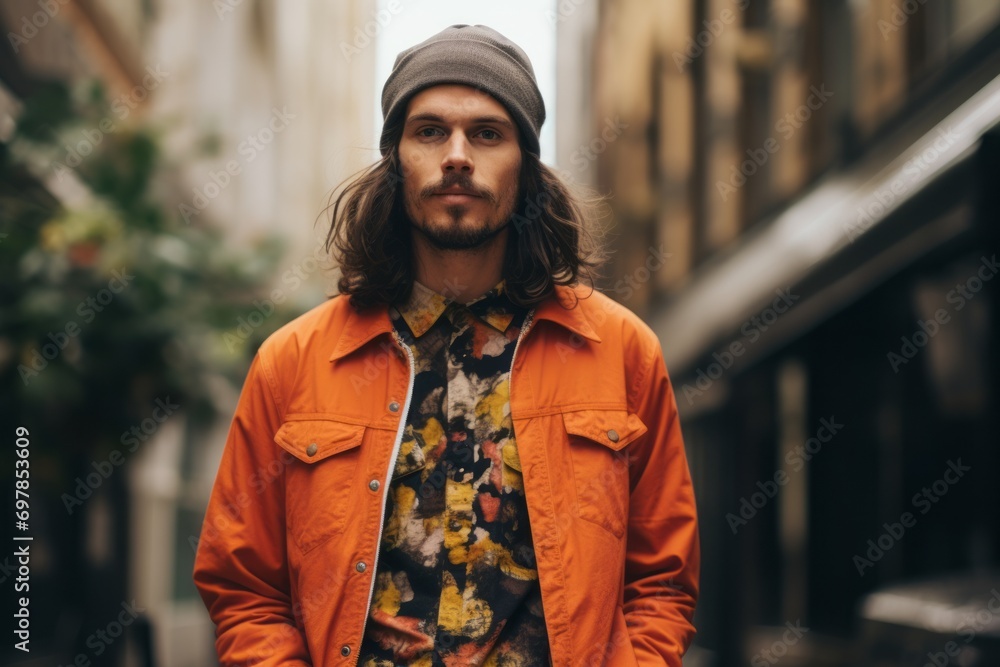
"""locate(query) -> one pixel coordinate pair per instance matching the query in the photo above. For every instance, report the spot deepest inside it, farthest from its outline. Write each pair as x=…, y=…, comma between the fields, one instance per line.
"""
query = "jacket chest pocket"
x=600, y=458
x=319, y=476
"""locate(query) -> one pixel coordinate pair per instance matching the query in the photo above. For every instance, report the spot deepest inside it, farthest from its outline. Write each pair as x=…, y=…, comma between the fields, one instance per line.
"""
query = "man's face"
x=460, y=157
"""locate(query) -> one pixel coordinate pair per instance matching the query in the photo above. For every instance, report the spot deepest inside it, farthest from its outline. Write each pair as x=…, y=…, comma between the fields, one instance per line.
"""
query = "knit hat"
x=476, y=56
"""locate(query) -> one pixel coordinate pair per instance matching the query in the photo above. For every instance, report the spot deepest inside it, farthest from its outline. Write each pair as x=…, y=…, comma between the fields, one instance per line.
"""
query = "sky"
x=528, y=23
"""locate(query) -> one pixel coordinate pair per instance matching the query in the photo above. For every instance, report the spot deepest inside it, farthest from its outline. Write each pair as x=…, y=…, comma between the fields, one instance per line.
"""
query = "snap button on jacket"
x=291, y=534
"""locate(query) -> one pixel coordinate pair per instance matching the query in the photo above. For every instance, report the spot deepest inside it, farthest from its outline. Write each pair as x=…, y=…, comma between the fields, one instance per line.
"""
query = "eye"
x=490, y=135
x=428, y=131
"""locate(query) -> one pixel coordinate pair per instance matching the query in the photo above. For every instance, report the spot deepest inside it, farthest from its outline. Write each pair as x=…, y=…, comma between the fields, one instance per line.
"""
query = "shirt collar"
x=566, y=308
x=424, y=306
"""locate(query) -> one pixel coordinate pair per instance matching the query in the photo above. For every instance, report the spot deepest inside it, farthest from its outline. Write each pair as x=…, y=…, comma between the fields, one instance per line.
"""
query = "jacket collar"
x=561, y=308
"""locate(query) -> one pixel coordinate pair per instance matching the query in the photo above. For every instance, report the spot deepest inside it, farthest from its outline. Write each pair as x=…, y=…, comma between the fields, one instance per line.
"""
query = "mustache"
x=463, y=181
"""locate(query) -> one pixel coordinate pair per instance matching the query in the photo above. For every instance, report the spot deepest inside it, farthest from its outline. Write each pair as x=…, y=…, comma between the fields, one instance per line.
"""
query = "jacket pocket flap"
x=612, y=428
x=312, y=440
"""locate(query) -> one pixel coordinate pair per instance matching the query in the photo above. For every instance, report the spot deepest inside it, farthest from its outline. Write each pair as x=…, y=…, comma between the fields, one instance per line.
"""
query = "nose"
x=457, y=155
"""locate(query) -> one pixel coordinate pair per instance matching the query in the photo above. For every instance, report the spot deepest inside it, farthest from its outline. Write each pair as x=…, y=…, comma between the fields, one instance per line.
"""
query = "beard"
x=452, y=234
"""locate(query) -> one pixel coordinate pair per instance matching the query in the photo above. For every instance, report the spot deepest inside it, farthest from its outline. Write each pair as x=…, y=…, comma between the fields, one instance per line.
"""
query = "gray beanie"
x=476, y=56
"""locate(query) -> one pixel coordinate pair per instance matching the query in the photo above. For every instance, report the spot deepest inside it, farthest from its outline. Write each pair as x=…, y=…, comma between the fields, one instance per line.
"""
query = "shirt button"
x=345, y=651
x=394, y=406
x=613, y=435
x=373, y=485
x=361, y=567
x=311, y=449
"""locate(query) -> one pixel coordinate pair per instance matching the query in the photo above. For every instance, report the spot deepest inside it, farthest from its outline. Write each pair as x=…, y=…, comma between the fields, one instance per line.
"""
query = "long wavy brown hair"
x=552, y=237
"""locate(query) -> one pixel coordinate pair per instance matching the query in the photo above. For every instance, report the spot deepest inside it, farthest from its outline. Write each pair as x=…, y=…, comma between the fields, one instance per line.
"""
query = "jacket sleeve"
x=240, y=565
x=662, y=558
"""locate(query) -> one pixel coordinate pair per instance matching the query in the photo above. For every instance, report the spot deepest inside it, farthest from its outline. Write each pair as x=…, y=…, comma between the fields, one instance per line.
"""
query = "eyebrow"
x=479, y=120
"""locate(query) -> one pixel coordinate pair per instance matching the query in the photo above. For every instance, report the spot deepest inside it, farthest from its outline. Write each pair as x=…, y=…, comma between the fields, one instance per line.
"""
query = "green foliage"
x=108, y=298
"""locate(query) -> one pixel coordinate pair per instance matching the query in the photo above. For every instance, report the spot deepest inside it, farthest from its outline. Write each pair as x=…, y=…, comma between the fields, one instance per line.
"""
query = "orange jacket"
x=289, y=545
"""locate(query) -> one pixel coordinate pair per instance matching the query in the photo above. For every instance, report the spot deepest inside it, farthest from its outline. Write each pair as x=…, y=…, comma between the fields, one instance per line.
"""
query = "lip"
x=457, y=197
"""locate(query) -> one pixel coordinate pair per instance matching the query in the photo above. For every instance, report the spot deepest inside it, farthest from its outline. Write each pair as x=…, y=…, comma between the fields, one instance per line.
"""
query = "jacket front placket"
x=538, y=487
x=386, y=481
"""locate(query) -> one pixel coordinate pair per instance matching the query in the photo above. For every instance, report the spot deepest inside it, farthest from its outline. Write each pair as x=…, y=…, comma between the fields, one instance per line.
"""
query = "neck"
x=462, y=275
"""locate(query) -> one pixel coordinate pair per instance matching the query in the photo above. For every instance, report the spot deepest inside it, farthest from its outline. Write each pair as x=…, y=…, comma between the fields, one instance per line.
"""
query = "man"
x=466, y=457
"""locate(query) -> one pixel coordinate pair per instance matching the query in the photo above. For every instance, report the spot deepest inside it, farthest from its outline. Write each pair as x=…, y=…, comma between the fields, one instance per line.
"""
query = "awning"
x=840, y=218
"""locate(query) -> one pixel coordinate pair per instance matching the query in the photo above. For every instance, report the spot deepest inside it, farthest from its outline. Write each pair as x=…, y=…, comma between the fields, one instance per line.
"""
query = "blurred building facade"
x=805, y=202
x=264, y=107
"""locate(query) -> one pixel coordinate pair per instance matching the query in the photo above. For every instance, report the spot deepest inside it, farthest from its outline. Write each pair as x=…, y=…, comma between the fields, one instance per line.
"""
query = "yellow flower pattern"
x=456, y=582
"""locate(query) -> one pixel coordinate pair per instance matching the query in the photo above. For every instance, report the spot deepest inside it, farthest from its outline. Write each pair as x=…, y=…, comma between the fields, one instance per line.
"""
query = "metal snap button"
x=345, y=651
x=361, y=567
x=394, y=406
x=613, y=435
x=311, y=449
x=373, y=485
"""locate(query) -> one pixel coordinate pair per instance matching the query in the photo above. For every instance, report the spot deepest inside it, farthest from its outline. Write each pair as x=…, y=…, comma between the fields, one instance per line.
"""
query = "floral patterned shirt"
x=456, y=582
